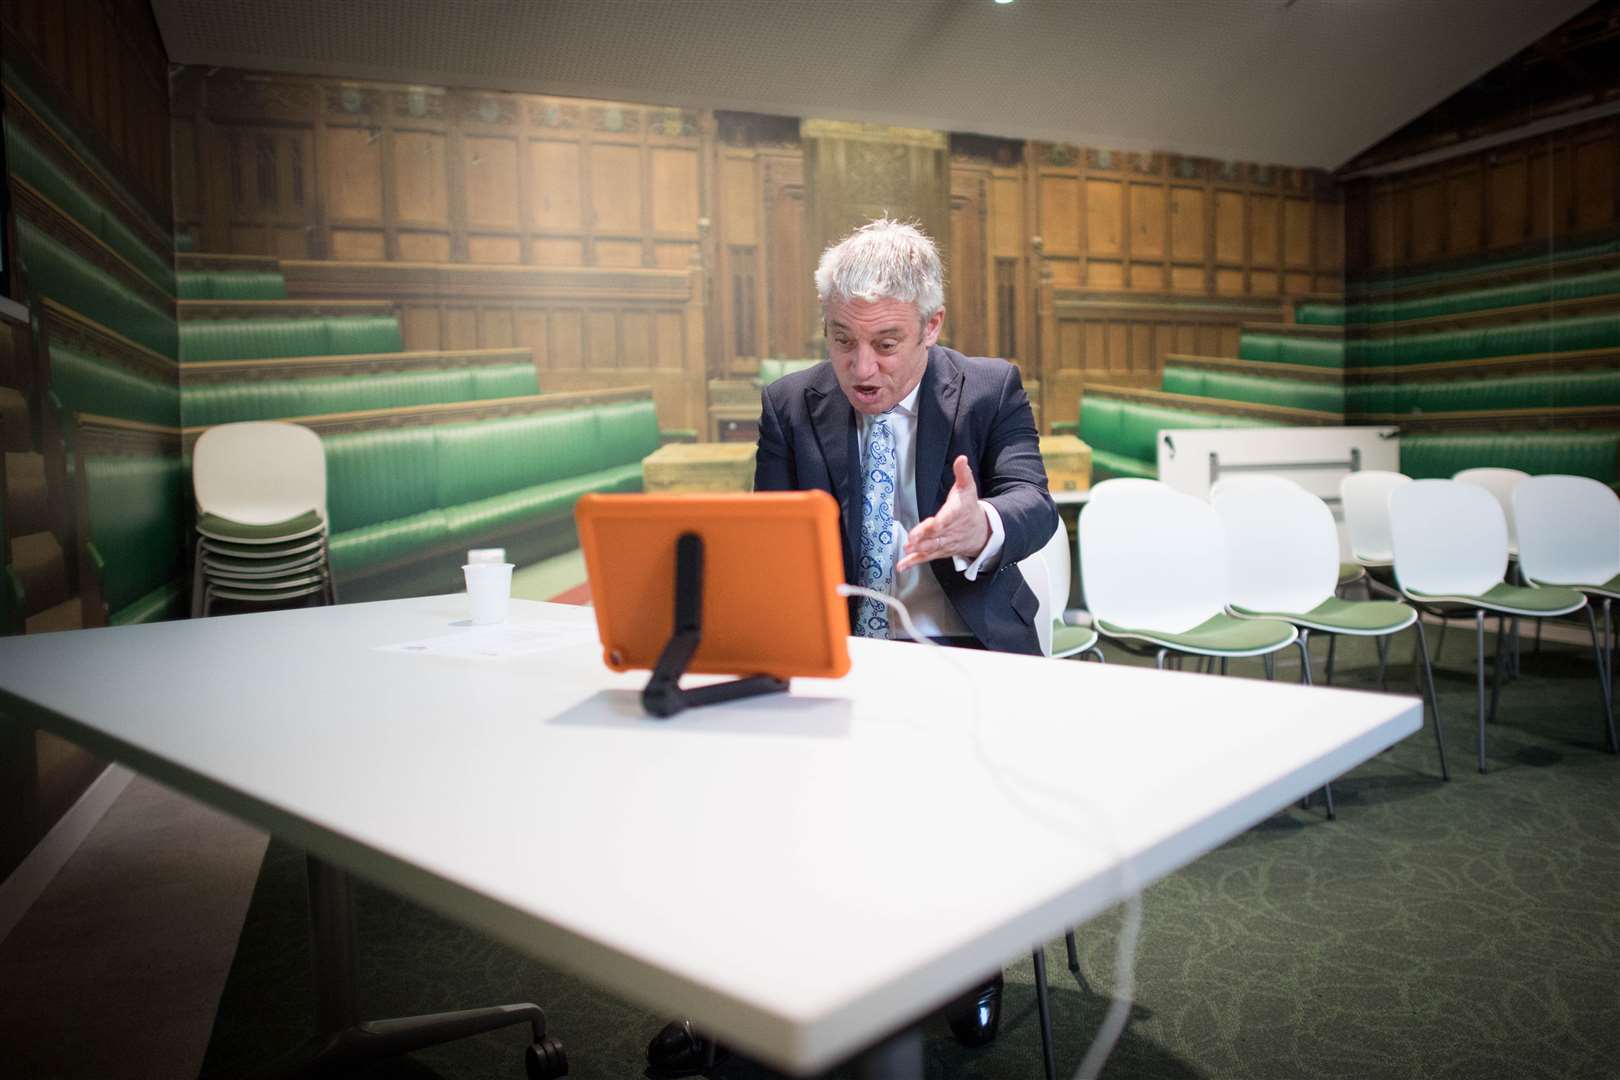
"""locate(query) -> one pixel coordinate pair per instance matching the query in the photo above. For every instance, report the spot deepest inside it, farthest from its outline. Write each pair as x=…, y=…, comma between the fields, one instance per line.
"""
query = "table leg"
x=344, y=1039
x=899, y=1057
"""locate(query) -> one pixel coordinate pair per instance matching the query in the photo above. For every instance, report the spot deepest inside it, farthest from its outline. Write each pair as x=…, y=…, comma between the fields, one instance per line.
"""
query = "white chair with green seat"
x=1114, y=486
x=1155, y=565
x=1282, y=553
x=260, y=488
x=1569, y=537
x=1500, y=483
x=1058, y=638
x=1450, y=546
x=1365, y=498
x=1349, y=572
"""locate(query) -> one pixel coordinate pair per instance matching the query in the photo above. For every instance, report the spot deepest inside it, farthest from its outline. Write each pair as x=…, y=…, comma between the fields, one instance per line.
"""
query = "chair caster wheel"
x=545, y=1060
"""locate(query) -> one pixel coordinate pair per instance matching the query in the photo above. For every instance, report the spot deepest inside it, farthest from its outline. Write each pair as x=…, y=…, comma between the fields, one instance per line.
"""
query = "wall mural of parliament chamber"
x=487, y=304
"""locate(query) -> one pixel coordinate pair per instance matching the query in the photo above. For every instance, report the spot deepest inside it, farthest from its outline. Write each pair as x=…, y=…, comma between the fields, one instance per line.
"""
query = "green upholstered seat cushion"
x=137, y=524
x=164, y=602
x=1351, y=571
x=1344, y=616
x=272, y=551
x=1256, y=389
x=627, y=432
x=1219, y=635
x=1311, y=350
x=266, y=338
x=1542, y=391
x=223, y=528
x=1068, y=640
x=1609, y=589
x=1515, y=600
x=1539, y=258
x=387, y=541
x=231, y=285
x=268, y=399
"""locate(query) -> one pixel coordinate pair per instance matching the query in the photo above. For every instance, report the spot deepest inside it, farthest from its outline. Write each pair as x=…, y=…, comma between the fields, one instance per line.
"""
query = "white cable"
x=1119, y=1008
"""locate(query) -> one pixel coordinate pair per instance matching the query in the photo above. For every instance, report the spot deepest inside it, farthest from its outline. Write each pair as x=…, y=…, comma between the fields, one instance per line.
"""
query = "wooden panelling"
x=616, y=189
x=1564, y=185
x=1060, y=215
x=424, y=246
x=494, y=249
x=356, y=244
x=1297, y=233
x=421, y=182
x=674, y=192
x=555, y=174
x=1104, y=218
x=1189, y=230
x=490, y=166
x=1229, y=209
x=1263, y=228
x=1148, y=209
x=354, y=186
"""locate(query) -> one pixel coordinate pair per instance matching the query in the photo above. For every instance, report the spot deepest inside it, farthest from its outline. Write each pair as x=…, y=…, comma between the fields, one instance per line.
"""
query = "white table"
x=785, y=870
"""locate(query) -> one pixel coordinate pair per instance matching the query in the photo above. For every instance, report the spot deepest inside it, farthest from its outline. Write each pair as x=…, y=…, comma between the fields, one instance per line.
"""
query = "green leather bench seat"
x=1435, y=277
x=1310, y=350
x=1320, y=314
x=57, y=271
x=399, y=491
x=256, y=339
x=137, y=540
x=772, y=369
x=26, y=161
x=1547, y=335
x=1259, y=389
x=1547, y=290
x=1576, y=453
x=1126, y=433
x=271, y=399
x=85, y=383
x=232, y=285
x=1551, y=391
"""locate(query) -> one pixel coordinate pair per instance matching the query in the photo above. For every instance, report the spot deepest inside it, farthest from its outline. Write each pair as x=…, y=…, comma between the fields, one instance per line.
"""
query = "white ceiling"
x=1290, y=82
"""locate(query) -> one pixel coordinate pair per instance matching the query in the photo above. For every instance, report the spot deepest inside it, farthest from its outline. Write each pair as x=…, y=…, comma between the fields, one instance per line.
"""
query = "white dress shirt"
x=917, y=587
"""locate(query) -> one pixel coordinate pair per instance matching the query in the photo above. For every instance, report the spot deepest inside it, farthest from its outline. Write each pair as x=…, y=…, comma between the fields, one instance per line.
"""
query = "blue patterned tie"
x=878, y=528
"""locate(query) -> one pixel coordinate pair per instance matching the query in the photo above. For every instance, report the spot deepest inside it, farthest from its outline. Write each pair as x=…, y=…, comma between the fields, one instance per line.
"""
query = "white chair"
x=1349, y=572
x=1365, y=496
x=1569, y=537
x=1283, y=557
x=1064, y=640
x=1123, y=483
x=1154, y=562
x=1450, y=547
x=260, y=489
x=1500, y=483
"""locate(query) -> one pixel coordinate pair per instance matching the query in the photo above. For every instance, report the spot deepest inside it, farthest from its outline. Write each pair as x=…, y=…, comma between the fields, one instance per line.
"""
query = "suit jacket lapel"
x=833, y=417
x=938, y=399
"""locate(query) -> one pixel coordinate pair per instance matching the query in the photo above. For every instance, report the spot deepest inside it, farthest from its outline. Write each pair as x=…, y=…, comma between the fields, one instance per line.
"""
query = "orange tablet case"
x=772, y=562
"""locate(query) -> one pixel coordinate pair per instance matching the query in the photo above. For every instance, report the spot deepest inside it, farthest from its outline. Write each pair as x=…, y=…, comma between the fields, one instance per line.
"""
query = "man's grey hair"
x=883, y=260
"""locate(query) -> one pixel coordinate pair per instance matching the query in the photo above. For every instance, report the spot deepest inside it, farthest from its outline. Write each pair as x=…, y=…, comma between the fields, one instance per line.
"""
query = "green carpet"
x=1465, y=930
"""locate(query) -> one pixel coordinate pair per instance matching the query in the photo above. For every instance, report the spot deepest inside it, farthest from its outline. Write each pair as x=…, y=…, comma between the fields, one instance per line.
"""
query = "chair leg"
x=1603, y=683
x=1333, y=644
x=1434, y=701
x=1305, y=677
x=1502, y=653
x=1223, y=665
x=1158, y=659
x=1270, y=660
x=1440, y=646
x=1044, y=1008
x=1074, y=952
x=1479, y=679
x=1383, y=661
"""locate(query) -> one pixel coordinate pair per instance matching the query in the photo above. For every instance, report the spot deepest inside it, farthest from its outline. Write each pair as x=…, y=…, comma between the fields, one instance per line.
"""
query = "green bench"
x=1124, y=435
x=58, y=272
x=231, y=285
x=773, y=368
x=202, y=340
x=1312, y=350
x=134, y=512
x=1543, y=391
x=1541, y=257
x=1254, y=388
x=1519, y=294
x=273, y=398
x=1540, y=336
x=26, y=161
x=1576, y=453
x=405, y=501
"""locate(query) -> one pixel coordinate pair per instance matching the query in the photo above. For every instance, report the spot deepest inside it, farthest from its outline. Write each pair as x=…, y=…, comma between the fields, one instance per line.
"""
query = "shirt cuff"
x=992, y=547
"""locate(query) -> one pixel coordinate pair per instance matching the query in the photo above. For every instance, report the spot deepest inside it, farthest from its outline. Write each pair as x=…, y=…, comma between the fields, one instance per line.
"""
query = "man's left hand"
x=960, y=528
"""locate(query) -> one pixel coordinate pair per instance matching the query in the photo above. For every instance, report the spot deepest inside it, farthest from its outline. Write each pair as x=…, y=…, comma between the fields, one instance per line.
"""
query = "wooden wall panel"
x=1060, y=215
x=421, y=180
x=1561, y=186
x=674, y=192
x=354, y=182
x=490, y=166
x=555, y=168
x=1189, y=229
x=1104, y=218
x=616, y=193
x=1229, y=226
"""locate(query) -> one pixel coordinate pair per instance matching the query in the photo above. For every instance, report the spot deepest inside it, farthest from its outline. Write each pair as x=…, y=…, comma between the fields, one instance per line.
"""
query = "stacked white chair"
x=1500, y=483
x=1047, y=573
x=260, y=489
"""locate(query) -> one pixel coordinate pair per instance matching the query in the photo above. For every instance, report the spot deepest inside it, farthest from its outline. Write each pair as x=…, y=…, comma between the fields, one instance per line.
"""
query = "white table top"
x=786, y=870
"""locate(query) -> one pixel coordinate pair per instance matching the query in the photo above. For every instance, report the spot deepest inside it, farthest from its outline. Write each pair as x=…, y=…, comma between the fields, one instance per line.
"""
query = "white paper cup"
x=484, y=555
x=489, y=586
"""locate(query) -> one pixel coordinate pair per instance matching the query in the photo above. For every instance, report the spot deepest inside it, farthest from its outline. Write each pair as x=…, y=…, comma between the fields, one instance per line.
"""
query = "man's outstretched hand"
x=959, y=529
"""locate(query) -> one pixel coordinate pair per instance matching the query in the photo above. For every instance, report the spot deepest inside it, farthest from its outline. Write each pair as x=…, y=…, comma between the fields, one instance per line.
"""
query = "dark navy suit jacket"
x=808, y=440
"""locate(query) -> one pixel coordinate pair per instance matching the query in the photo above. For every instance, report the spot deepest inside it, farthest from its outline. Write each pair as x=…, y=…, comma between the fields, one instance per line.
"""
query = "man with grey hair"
x=935, y=462
x=932, y=455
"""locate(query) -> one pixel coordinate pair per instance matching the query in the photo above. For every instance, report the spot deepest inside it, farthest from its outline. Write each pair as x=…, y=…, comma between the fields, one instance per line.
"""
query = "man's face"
x=879, y=350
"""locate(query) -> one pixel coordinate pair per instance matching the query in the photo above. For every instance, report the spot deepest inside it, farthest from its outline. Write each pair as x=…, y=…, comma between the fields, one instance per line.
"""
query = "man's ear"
x=932, y=327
